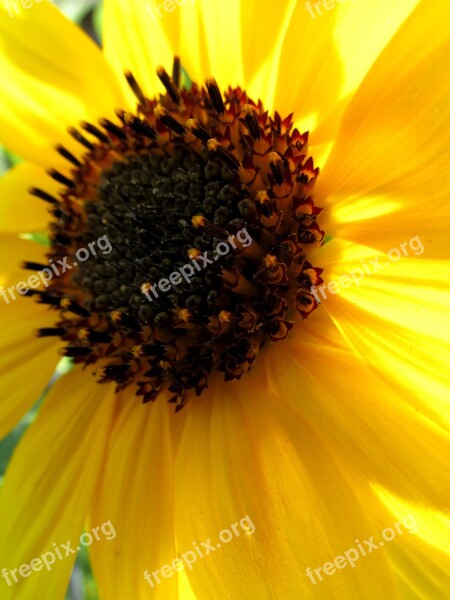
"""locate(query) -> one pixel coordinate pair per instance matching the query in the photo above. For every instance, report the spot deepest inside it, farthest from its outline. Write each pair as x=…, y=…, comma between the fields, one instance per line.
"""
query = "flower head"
x=192, y=177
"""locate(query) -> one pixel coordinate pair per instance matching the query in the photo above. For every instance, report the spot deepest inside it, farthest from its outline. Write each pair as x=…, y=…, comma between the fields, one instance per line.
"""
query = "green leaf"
x=185, y=79
x=4, y=163
x=7, y=160
x=8, y=444
x=13, y=158
x=40, y=238
x=97, y=21
x=75, y=11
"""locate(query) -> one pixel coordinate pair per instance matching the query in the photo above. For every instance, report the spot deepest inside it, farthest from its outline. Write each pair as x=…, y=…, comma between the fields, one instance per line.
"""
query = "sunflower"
x=281, y=415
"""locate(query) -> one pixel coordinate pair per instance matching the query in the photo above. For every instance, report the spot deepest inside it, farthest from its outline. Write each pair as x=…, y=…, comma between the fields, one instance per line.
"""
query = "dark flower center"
x=186, y=227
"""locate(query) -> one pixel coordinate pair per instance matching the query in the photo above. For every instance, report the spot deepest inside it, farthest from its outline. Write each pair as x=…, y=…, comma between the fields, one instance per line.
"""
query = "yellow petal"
x=328, y=50
x=361, y=32
x=379, y=439
x=374, y=431
x=421, y=559
x=259, y=468
x=49, y=483
x=13, y=251
x=19, y=211
x=223, y=32
x=136, y=492
x=211, y=39
x=54, y=76
x=138, y=40
x=22, y=352
x=261, y=52
x=387, y=176
x=263, y=28
x=393, y=311
x=193, y=45
x=243, y=42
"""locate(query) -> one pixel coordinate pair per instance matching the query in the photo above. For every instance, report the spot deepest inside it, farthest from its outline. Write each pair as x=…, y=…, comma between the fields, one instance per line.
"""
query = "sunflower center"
x=145, y=207
x=203, y=206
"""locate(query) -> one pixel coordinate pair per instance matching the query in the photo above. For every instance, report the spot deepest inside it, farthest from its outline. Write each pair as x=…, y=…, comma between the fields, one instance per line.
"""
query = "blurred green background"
x=88, y=14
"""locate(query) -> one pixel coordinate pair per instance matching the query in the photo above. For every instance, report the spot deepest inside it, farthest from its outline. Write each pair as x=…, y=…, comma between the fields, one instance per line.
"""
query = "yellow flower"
x=322, y=472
